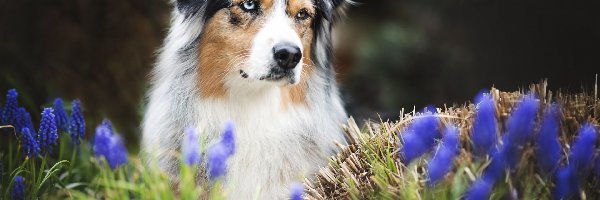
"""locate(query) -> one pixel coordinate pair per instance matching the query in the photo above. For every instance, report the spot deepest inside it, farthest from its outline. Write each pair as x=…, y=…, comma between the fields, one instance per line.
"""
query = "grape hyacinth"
x=480, y=189
x=76, y=123
x=567, y=184
x=10, y=110
x=484, y=132
x=419, y=137
x=548, y=148
x=18, y=190
x=29, y=145
x=297, y=191
x=582, y=151
x=217, y=161
x=228, y=139
x=519, y=129
x=218, y=154
x=108, y=124
x=48, y=133
x=62, y=123
x=441, y=162
x=25, y=121
x=110, y=146
x=191, y=147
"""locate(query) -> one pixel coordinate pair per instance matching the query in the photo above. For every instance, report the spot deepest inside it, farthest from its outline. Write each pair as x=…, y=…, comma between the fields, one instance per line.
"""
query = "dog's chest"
x=274, y=145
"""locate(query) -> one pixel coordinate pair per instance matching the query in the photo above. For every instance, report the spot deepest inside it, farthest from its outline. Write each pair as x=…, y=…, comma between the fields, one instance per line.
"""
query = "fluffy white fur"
x=275, y=146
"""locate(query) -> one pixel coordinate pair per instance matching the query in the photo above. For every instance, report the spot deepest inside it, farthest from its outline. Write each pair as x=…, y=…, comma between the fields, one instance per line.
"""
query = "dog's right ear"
x=333, y=10
x=193, y=7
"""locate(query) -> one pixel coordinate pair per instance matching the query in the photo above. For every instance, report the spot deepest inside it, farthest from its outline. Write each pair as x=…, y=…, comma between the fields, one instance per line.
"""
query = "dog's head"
x=260, y=42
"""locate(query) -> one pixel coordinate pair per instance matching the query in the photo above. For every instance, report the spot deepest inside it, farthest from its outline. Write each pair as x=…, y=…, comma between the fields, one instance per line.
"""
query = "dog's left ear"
x=209, y=7
x=333, y=10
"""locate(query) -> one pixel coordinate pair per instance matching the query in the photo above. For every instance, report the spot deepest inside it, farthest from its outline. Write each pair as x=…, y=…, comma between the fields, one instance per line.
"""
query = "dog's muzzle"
x=286, y=57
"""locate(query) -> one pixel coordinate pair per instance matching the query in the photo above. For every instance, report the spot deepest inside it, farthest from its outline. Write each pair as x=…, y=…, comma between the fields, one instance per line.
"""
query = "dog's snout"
x=287, y=55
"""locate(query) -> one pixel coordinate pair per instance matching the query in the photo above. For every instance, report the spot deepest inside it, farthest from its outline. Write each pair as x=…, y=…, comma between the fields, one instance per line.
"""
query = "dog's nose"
x=287, y=55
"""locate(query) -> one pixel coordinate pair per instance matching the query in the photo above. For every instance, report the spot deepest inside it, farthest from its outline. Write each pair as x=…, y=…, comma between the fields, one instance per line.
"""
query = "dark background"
x=391, y=54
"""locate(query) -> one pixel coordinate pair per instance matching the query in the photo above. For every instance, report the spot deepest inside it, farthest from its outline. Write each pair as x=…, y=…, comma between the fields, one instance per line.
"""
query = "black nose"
x=287, y=55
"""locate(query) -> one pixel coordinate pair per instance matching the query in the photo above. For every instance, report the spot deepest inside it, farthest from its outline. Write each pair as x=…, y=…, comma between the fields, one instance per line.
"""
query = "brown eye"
x=302, y=15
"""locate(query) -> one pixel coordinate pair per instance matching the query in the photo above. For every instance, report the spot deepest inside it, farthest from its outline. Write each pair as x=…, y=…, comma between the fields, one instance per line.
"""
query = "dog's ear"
x=192, y=7
x=333, y=10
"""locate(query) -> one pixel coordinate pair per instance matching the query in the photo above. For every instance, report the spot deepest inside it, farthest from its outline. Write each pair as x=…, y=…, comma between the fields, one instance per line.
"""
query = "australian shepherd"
x=266, y=66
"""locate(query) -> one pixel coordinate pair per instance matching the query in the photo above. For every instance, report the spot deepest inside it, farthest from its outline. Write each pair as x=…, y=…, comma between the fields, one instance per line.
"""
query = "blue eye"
x=249, y=5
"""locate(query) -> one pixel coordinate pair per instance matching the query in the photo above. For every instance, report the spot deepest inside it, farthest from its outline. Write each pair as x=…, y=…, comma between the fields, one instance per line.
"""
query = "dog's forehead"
x=288, y=4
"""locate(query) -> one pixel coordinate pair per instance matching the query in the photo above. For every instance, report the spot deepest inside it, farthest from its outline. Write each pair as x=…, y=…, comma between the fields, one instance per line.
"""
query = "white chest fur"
x=276, y=144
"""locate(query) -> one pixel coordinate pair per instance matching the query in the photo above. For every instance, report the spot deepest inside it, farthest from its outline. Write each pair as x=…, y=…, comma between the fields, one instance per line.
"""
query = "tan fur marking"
x=223, y=49
x=297, y=93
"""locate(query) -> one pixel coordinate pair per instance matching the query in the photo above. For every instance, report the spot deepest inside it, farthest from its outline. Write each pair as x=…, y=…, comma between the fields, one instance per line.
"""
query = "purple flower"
x=583, y=148
x=217, y=161
x=29, y=145
x=479, y=190
x=484, y=134
x=569, y=177
x=441, y=162
x=62, y=123
x=297, y=191
x=228, y=138
x=519, y=129
x=110, y=146
x=567, y=183
x=18, y=190
x=497, y=167
x=25, y=121
x=419, y=137
x=191, y=147
x=108, y=124
x=548, y=148
x=76, y=123
x=219, y=153
x=9, y=115
x=48, y=134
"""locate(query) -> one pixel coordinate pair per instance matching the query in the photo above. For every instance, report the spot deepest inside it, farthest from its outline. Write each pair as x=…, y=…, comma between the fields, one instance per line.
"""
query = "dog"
x=264, y=65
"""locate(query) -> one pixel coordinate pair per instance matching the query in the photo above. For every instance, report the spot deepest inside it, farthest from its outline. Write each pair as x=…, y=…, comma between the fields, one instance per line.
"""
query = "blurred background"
x=390, y=54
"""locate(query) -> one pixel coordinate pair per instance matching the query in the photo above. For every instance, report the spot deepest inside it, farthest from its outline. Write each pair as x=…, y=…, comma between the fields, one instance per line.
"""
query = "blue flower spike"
x=18, y=190
x=484, y=133
x=419, y=137
x=567, y=183
x=296, y=191
x=480, y=189
x=48, y=134
x=217, y=161
x=443, y=158
x=191, y=147
x=110, y=146
x=24, y=121
x=582, y=151
x=219, y=153
x=29, y=145
x=568, y=179
x=77, y=123
x=9, y=115
x=62, y=121
x=519, y=129
x=228, y=138
x=547, y=146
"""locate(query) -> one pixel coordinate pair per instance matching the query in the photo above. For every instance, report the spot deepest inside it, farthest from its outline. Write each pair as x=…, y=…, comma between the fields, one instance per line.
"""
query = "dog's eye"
x=302, y=15
x=249, y=5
